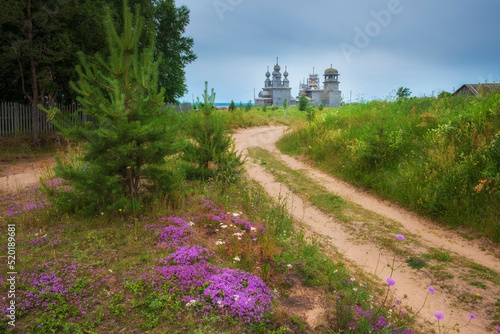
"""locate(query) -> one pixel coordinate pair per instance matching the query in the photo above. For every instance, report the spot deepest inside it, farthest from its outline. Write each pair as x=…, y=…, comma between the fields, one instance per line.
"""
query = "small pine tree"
x=124, y=149
x=310, y=114
x=241, y=105
x=248, y=107
x=232, y=106
x=303, y=103
x=210, y=150
x=320, y=107
x=264, y=108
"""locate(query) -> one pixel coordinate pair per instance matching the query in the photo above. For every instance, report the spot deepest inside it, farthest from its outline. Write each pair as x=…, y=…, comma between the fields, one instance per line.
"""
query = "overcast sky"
x=377, y=45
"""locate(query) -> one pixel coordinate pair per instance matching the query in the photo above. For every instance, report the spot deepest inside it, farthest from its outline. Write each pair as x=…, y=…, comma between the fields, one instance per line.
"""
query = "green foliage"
x=264, y=108
x=430, y=154
x=310, y=114
x=232, y=106
x=416, y=262
x=444, y=94
x=132, y=133
x=210, y=151
x=320, y=107
x=303, y=103
x=285, y=104
x=403, y=92
x=248, y=107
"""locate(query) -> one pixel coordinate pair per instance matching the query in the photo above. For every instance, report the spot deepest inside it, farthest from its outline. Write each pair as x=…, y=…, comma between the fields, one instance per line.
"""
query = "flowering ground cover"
x=224, y=263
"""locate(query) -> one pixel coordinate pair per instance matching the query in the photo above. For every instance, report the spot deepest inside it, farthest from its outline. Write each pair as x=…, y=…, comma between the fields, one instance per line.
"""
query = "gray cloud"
x=377, y=46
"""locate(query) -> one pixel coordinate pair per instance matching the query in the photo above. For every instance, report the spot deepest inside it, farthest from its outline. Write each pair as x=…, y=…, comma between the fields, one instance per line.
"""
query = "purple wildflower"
x=439, y=315
x=431, y=289
x=400, y=237
x=472, y=316
x=391, y=281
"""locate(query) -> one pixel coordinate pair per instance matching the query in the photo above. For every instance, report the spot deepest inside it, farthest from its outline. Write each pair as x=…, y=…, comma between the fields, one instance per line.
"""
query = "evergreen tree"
x=403, y=92
x=248, y=107
x=303, y=103
x=124, y=150
x=210, y=150
x=232, y=106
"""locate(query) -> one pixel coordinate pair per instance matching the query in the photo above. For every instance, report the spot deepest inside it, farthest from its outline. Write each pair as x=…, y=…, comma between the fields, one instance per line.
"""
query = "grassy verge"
x=430, y=155
x=270, y=116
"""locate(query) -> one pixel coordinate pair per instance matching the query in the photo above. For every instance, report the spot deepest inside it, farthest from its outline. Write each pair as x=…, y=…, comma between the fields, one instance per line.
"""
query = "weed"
x=416, y=262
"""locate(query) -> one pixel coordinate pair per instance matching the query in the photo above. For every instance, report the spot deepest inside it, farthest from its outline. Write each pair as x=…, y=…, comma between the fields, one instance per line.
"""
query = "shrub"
x=303, y=103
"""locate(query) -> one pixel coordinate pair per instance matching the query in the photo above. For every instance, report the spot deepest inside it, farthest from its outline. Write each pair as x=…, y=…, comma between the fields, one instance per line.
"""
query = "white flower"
x=335, y=271
x=219, y=242
x=236, y=214
x=289, y=265
x=239, y=238
x=223, y=226
x=236, y=258
x=236, y=297
x=110, y=270
x=352, y=279
x=253, y=229
x=191, y=302
x=354, y=289
x=191, y=224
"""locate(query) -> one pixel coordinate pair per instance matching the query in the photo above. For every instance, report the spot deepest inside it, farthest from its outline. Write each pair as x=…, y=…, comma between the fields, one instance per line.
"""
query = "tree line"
x=40, y=42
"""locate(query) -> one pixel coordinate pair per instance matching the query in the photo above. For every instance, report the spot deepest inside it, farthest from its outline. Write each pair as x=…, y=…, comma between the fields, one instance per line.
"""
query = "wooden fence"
x=15, y=118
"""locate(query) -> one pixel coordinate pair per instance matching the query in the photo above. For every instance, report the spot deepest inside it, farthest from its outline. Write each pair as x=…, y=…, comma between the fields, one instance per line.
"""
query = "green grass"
x=105, y=261
x=430, y=155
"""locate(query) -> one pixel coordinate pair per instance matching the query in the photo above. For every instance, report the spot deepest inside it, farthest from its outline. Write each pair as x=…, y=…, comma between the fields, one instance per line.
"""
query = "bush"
x=303, y=103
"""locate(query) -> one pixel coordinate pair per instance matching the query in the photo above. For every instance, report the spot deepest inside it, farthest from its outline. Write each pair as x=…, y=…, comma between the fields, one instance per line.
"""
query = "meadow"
x=439, y=157
x=211, y=257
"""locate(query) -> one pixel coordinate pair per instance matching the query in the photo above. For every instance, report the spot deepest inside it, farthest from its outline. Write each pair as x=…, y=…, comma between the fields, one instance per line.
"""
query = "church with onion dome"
x=329, y=95
x=276, y=90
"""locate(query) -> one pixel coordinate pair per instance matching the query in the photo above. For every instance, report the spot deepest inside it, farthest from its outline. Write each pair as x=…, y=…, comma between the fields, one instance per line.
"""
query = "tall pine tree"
x=125, y=148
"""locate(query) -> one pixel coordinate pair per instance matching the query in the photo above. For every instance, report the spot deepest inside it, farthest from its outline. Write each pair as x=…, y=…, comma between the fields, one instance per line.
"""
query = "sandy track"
x=409, y=282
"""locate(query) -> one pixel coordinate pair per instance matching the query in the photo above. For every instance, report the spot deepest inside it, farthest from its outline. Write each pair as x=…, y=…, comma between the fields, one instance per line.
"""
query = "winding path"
x=411, y=285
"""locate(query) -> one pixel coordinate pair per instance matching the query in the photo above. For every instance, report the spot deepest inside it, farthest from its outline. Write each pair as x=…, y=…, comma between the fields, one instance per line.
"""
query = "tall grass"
x=439, y=157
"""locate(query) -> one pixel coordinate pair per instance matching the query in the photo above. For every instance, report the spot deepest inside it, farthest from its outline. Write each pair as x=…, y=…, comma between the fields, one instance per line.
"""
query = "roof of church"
x=331, y=71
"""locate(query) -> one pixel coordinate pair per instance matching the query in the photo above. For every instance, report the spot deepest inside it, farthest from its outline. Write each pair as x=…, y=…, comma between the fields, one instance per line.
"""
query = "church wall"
x=280, y=94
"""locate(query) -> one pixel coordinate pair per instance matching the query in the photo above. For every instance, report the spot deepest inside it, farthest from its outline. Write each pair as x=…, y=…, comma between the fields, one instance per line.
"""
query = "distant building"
x=478, y=89
x=275, y=91
x=329, y=96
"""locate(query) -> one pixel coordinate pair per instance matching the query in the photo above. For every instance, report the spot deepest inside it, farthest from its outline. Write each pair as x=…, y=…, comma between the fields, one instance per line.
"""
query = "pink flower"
x=498, y=329
x=431, y=289
x=439, y=315
x=391, y=281
x=400, y=237
x=472, y=316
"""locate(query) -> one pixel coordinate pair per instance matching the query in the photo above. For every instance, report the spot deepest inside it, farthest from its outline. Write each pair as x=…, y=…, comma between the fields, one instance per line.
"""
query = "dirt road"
x=411, y=284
